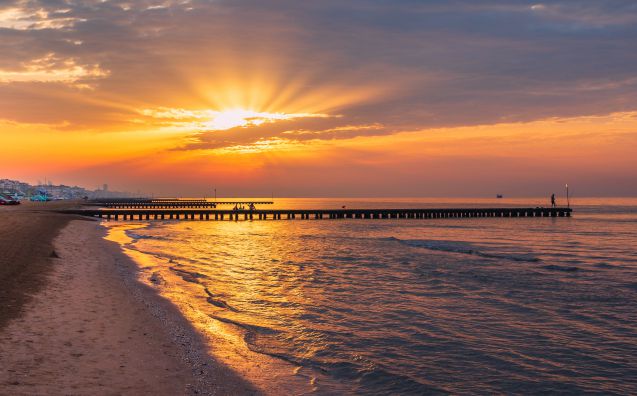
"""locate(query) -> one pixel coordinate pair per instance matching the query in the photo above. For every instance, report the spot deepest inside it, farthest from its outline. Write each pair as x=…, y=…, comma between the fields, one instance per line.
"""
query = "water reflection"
x=408, y=306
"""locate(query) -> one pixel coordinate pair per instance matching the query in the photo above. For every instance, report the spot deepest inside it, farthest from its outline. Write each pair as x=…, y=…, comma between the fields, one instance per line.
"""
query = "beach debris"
x=54, y=254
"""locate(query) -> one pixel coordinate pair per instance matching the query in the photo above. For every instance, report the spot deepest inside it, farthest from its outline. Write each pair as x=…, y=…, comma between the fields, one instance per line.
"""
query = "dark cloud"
x=441, y=63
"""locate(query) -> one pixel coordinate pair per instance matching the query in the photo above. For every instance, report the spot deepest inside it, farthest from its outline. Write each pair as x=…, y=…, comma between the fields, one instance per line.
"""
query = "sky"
x=321, y=98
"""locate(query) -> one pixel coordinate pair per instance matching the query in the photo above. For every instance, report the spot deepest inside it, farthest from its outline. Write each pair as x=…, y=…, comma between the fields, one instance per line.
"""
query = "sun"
x=233, y=118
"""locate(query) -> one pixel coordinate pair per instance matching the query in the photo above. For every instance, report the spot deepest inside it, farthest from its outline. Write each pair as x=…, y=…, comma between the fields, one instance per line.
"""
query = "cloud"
x=52, y=69
x=382, y=67
x=588, y=14
x=23, y=18
x=291, y=131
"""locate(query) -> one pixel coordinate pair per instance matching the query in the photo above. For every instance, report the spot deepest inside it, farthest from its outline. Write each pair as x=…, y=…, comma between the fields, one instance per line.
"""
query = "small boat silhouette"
x=499, y=196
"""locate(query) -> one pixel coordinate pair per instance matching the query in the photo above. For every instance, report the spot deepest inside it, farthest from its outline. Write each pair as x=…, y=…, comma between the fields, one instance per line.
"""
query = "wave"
x=189, y=276
x=605, y=265
x=462, y=248
x=213, y=299
x=339, y=258
x=563, y=268
x=250, y=335
x=371, y=379
x=632, y=286
x=193, y=277
x=135, y=236
x=379, y=381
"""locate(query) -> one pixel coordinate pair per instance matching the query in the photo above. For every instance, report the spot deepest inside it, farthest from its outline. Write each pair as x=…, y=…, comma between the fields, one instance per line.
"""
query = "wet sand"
x=78, y=322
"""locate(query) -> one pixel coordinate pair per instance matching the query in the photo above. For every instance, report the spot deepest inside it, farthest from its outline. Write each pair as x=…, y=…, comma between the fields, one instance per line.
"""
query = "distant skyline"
x=330, y=98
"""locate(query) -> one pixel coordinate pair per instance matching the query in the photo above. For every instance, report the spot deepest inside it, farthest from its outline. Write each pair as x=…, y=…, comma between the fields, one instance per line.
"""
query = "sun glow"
x=219, y=120
x=233, y=118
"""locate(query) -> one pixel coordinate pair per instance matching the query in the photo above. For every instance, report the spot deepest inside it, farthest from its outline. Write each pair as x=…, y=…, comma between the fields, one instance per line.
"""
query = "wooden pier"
x=204, y=214
x=167, y=203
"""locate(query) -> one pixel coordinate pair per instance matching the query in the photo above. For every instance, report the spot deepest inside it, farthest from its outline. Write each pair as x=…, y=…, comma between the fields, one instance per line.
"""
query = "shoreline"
x=92, y=328
x=223, y=341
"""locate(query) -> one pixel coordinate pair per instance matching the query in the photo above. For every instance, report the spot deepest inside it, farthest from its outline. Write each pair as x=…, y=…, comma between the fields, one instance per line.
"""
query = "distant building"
x=65, y=192
x=22, y=189
x=15, y=187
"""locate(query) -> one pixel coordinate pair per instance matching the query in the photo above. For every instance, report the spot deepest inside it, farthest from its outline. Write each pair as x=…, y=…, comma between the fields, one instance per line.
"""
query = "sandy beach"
x=26, y=244
x=77, y=322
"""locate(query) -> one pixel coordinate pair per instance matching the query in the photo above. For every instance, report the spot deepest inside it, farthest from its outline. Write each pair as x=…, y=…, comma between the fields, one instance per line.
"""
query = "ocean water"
x=406, y=306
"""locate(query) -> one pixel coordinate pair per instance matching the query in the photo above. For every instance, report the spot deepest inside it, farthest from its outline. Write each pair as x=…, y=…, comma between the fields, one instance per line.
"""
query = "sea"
x=408, y=306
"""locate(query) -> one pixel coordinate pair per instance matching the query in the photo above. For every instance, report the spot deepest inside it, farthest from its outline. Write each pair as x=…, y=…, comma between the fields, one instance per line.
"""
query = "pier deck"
x=163, y=203
x=306, y=214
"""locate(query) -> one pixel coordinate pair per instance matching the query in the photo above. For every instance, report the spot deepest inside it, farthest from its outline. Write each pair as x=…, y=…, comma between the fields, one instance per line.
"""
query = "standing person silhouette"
x=552, y=200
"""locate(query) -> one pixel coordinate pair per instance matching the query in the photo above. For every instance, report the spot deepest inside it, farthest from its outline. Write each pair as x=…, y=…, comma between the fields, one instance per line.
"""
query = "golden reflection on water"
x=226, y=341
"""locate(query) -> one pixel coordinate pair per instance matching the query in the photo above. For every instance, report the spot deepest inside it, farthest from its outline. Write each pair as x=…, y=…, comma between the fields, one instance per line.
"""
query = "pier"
x=206, y=214
x=166, y=203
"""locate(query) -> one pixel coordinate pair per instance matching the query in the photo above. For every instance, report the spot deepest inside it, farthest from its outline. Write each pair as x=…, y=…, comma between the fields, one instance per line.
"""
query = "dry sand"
x=26, y=235
x=89, y=327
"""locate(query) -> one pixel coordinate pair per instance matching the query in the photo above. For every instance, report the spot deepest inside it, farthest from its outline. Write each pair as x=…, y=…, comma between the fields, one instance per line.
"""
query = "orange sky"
x=176, y=98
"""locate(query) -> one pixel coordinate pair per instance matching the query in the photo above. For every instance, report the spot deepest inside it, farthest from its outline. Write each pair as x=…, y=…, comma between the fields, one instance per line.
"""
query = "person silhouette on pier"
x=552, y=200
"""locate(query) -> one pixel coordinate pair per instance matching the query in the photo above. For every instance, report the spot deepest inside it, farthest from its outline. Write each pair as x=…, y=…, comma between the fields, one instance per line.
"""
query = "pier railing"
x=305, y=214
